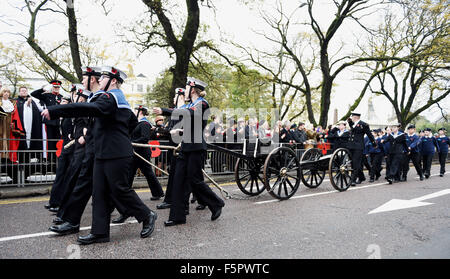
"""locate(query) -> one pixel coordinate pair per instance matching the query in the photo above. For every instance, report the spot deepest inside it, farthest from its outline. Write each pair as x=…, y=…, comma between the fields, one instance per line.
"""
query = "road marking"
x=330, y=192
x=24, y=236
x=396, y=204
x=30, y=200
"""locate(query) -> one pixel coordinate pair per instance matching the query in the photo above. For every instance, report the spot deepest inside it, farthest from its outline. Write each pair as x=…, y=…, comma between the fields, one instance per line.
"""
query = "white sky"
x=236, y=22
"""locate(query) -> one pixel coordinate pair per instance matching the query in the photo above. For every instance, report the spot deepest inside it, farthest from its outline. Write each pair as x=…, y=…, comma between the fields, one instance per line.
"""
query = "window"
x=140, y=88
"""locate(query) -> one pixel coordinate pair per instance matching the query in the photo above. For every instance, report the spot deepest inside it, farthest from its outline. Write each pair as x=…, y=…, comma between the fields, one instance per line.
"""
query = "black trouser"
x=188, y=171
x=357, y=164
x=415, y=158
x=169, y=188
x=427, y=160
x=53, y=134
x=395, y=165
x=375, y=159
x=111, y=187
x=73, y=209
x=153, y=183
x=70, y=178
x=59, y=187
x=366, y=163
x=442, y=159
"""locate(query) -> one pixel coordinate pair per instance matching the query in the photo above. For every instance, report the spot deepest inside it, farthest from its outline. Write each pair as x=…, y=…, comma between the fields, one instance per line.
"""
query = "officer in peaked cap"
x=189, y=165
x=113, y=156
x=355, y=144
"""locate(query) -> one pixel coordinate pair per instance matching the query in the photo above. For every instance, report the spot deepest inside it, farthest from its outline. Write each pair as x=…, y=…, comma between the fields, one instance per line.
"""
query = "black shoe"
x=441, y=175
x=389, y=180
x=163, y=205
x=371, y=180
x=427, y=176
x=157, y=198
x=358, y=182
x=193, y=200
x=48, y=206
x=200, y=207
x=377, y=177
x=421, y=178
x=403, y=179
x=53, y=209
x=352, y=183
x=92, y=238
x=216, y=213
x=121, y=219
x=171, y=223
x=65, y=228
x=58, y=221
x=149, y=225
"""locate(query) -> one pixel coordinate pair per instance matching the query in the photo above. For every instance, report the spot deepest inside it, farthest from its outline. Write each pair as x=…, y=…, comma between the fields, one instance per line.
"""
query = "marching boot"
x=121, y=219
x=171, y=223
x=156, y=198
x=371, y=180
x=163, y=205
x=58, y=221
x=149, y=225
x=93, y=238
x=216, y=213
x=421, y=177
x=65, y=228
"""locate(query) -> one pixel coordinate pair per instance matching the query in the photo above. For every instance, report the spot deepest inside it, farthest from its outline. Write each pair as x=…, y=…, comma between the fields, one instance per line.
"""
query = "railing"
x=38, y=167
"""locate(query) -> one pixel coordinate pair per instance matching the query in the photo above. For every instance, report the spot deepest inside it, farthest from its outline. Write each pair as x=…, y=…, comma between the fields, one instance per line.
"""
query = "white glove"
x=48, y=88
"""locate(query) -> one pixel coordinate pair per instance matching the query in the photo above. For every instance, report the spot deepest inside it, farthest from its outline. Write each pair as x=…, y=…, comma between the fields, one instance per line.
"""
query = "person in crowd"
x=443, y=142
x=386, y=146
x=285, y=135
x=375, y=156
x=428, y=146
x=396, y=154
x=301, y=135
x=6, y=109
x=413, y=140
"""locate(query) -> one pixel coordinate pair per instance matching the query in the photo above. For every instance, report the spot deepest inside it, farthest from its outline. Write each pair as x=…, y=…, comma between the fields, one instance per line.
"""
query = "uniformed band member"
x=69, y=221
x=141, y=134
x=356, y=145
x=58, y=187
x=443, y=142
x=375, y=156
x=428, y=146
x=396, y=154
x=190, y=161
x=413, y=140
x=113, y=155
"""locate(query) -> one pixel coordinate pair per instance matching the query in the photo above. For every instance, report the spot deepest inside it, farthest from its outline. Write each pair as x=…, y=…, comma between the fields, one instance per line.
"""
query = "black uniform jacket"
x=49, y=99
x=141, y=134
x=356, y=139
x=193, y=136
x=111, y=128
x=398, y=144
x=338, y=141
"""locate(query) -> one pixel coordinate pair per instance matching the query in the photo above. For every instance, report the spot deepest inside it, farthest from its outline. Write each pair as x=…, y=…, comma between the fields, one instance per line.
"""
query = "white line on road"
x=331, y=192
x=23, y=236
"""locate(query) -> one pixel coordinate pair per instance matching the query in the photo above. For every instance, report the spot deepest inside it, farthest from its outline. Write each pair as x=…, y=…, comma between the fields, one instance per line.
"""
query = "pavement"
x=314, y=223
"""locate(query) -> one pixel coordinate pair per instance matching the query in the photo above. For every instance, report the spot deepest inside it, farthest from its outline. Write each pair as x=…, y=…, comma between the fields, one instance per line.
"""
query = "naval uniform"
x=338, y=138
x=376, y=155
x=428, y=145
x=414, y=155
x=59, y=187
x=443, y=143
x=188, y=170
x=396, y=155
x=113, y=156
x=141, y=134
x=356, y=146
x=76, y=163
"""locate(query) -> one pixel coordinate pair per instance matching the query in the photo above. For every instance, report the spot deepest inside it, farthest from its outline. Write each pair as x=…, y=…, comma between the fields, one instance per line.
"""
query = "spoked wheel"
x=249, y=177
x=340, y=169
x=282, y=173
x=312, y=178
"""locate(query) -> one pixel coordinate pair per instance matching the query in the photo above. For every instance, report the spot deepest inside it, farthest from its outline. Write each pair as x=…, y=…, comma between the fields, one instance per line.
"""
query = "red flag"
x=16, y=132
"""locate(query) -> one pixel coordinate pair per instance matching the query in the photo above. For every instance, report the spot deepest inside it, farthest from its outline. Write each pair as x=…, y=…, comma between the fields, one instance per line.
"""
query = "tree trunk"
x=73, y=41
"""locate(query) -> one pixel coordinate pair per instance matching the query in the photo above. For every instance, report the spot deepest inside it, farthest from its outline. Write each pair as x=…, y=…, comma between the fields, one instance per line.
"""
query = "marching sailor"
x=396, y=153
x=413, y=140
x=428, y=145
x=443, y=142
x=113, y=156
x=141, y=134
x=190, y=161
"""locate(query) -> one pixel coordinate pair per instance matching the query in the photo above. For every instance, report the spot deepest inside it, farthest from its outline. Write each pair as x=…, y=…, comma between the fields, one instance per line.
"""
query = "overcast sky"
x=231, y=20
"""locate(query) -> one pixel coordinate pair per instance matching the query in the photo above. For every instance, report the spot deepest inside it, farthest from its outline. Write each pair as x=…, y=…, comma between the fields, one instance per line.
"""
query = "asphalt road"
x=315, y=223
